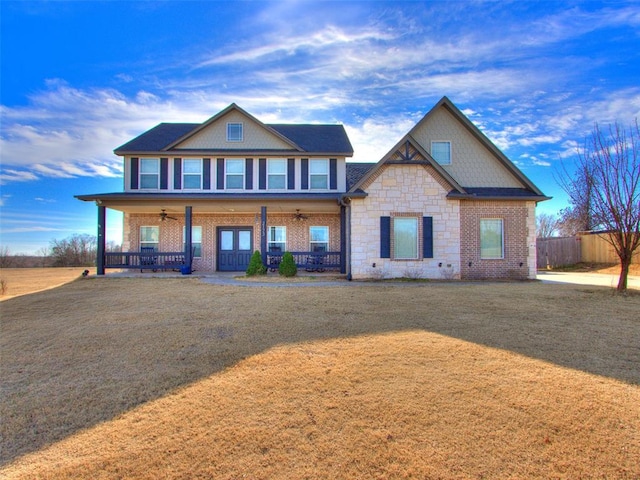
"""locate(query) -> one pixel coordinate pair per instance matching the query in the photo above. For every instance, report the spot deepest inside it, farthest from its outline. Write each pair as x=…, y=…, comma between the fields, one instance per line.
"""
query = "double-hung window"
x=196, y=239
x=277, y=239
x=405, y=238
x=149, y=173
x=234, y=132
x=491, y=238
x=234, y=173
x=149, y=237
x=276, y=174
x=319, y=174
x=192, y=174
x=441, y=152
x=319, y=239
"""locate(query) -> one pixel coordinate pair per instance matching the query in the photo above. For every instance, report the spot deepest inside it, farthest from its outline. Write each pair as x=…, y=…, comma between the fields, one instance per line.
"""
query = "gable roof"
x=409, y=151
x=356, y=171
x=317, y=139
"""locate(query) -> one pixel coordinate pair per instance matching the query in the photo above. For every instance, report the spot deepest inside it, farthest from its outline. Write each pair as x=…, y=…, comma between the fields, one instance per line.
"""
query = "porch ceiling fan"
x=163, y=216
x=299, y=216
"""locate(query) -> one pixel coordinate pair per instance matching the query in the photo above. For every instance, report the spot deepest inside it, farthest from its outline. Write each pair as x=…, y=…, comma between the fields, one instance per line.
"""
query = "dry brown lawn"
x=176, y=378
x=21, y=281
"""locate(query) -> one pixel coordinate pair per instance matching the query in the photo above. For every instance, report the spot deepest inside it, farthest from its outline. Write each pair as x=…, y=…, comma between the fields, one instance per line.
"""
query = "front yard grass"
x=172, y=377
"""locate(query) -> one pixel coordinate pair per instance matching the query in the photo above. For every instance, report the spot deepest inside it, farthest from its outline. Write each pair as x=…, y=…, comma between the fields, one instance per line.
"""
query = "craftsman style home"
x=444, y=202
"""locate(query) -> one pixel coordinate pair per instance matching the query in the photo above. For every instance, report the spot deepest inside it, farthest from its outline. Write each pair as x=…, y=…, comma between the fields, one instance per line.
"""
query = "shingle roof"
x=157, y=138
x=311, y=138
x=355, y=171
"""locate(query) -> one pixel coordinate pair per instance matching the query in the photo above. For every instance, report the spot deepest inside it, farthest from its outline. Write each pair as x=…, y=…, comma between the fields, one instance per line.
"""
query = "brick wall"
x=171, y=232
x=518, y=236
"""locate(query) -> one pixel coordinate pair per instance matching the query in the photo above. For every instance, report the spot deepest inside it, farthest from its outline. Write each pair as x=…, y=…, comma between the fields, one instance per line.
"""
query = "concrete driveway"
x=584, y=278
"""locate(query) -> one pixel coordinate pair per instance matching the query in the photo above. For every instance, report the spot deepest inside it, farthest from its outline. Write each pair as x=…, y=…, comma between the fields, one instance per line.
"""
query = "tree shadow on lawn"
x=94, y=349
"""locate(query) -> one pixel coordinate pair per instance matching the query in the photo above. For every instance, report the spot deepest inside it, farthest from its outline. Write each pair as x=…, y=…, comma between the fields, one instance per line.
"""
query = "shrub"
x=256, y=267
x=287, y=267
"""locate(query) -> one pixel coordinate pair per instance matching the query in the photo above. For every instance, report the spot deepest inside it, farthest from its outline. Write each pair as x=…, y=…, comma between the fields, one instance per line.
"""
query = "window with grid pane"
x=319, y=174
x=192, y=173
x=234, y=132
x=276, y=174
x=149, y=172
x=234, y=172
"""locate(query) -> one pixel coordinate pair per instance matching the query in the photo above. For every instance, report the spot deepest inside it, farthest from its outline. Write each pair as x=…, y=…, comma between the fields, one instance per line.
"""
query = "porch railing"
x=145, y=260
x=310, y=261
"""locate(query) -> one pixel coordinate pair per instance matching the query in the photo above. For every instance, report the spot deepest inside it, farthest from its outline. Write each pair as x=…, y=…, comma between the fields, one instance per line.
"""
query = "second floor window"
x=318, y=174
x=192, y=174
x=149, y=172
x=234, y=173
x=276, y=174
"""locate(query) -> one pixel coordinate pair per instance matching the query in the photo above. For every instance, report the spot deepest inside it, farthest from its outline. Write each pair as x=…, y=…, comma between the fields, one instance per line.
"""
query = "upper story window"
x=276, y=174
x=277, y=239
x=234, y=173
x=319, y=239
x=234, y=132
x=441, y=152
x=491, y=238
x=318, y=174
x=149, y=172
x=192, y=174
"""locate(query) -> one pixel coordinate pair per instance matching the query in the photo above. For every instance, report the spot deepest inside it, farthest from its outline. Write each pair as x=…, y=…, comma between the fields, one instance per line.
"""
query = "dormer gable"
x=233, y=129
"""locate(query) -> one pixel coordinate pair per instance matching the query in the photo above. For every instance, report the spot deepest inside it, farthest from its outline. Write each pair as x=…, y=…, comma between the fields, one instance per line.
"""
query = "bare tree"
x=6, y=259
x=608, y=175
x=546, y=225
x=76, y=250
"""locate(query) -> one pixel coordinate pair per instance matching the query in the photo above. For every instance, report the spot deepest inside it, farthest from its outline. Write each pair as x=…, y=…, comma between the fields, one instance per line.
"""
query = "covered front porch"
x=220, y=232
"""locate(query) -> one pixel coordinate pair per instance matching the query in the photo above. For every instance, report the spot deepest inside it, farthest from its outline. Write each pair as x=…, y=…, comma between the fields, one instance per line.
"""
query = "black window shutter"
x=220, y=174
x=427, y=237
x=206, y=173
x=248, y=174
x=134, y=173
x=385, y=237
x=333, y=173
x=262, y=174
x=177, y=173
x=164, y=173
x=304, y=174
x=291, y=174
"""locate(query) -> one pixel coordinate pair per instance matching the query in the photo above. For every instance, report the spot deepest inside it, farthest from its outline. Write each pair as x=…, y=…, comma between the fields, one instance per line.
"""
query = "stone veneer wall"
x=519, y=260
x=401, y=190
x=171, y=232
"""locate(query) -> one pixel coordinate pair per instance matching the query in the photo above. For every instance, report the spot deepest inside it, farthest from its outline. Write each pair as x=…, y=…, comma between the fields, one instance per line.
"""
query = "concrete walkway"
x=583, y=278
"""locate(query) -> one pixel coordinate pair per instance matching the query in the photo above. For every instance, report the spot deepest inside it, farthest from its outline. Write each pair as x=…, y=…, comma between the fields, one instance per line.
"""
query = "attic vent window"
x=441, y=152
x=234, y=132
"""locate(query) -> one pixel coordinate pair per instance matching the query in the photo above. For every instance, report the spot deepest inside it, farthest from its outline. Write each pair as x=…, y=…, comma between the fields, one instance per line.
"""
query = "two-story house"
x=443, y=203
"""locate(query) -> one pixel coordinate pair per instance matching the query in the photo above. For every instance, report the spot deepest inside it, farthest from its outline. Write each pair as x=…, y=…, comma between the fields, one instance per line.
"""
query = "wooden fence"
x=557, y=251
x=590, y=248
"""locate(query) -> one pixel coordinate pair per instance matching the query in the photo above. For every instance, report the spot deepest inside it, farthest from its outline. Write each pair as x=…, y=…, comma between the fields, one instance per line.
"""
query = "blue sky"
x=79, y=79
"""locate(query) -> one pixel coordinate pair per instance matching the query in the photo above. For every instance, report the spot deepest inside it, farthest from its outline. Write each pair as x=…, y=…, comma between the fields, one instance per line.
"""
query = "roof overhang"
x=230, y=153
x=220, y=202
